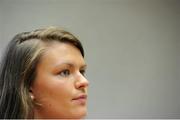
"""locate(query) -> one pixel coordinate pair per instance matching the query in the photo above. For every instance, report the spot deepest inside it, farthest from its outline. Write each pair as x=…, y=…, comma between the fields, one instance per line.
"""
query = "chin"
x=80, y=114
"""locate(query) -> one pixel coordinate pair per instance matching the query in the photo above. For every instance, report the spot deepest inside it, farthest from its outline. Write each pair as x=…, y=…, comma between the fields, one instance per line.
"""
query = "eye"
x=83, y=72
x=65, y=73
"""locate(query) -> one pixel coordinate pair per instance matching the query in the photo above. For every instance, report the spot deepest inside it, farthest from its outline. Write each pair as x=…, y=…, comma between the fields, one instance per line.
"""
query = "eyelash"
x=83, y=72
x=66, y=72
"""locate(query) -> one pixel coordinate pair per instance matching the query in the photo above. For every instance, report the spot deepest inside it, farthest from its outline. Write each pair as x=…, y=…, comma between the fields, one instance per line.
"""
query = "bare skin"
x=60, y=87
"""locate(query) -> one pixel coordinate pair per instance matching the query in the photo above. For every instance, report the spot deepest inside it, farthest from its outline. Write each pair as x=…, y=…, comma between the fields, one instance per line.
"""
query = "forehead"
x=56, y=53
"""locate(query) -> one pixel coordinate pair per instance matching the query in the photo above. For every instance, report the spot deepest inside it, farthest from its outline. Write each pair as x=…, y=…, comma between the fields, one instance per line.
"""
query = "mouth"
x=81, y=99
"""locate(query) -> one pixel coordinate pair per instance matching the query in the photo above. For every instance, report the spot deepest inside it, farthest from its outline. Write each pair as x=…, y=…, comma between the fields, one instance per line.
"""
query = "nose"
x=81, y=82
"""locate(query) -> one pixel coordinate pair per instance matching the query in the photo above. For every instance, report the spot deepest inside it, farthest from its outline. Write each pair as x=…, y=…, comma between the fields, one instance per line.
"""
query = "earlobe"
x=32, y=97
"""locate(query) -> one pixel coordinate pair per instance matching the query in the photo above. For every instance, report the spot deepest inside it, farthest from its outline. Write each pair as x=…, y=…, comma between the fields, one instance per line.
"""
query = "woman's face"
x=60, y=87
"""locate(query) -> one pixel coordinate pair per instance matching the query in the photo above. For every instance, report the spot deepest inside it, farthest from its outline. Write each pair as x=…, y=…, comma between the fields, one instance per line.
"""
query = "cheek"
x=52, y=88
x=54, y=95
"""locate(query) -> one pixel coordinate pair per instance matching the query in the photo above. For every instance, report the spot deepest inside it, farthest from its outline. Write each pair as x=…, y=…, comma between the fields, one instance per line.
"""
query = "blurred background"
x=132, y=48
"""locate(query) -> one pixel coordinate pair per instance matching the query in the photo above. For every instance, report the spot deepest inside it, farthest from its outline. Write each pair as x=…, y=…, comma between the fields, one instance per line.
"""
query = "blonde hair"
x=18, y=68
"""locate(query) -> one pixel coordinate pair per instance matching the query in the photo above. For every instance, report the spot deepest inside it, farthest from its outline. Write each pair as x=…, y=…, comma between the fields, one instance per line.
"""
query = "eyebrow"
x=70, y=65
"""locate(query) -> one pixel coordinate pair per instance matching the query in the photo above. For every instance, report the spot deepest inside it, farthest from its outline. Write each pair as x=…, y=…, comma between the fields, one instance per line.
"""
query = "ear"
x=33, y=97
x=31, y=93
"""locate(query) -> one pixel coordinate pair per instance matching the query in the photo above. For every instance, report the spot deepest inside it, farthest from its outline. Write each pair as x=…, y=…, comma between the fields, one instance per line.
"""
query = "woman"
x=42, y=76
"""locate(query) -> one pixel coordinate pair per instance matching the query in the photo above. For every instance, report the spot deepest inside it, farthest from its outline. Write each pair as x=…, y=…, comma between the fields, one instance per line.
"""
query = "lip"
x=80, y=99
